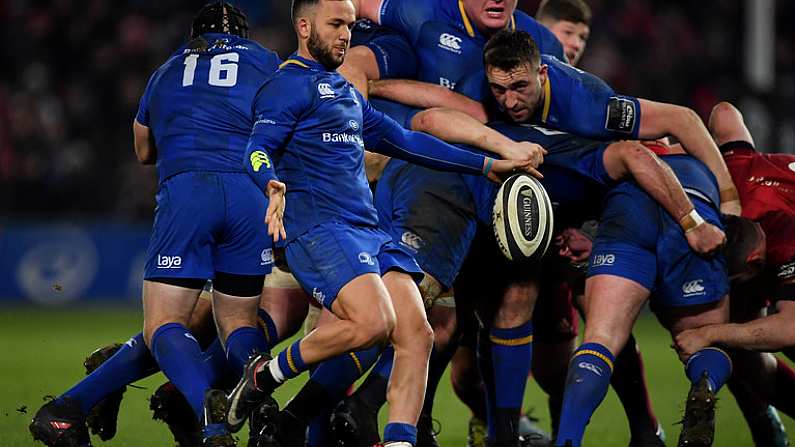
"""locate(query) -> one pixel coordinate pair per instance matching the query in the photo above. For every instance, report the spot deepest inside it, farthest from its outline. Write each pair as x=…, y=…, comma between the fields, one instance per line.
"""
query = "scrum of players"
x=265, y=169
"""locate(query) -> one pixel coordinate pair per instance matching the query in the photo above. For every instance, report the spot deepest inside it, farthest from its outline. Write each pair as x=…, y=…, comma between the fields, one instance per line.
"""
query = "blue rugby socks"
x=241, y=344
x=396, y=432
x=181, y=359
x=131, y=362
x=511, y=357
x=586, y=386
x=268, y=327
x=712, y=361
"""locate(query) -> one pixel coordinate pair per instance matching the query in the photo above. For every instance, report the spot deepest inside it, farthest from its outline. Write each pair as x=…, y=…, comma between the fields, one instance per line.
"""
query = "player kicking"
x=316, y=138
x=208, y=223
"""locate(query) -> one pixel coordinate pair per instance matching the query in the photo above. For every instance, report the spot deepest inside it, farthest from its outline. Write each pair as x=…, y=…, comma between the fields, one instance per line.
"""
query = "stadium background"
x=75, y=207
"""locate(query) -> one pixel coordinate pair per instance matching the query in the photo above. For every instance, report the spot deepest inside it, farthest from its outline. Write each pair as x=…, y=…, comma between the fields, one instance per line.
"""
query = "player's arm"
x=771, y=333
x=457, y=127
x=424, y=95
x=660, y=119
x=145, y=148
x=383, y=135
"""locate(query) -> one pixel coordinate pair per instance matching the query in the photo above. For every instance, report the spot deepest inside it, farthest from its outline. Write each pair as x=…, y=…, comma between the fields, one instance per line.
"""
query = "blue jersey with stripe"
x=575, y=101
x=198, y=105
x=312, y=127
x=447, y=44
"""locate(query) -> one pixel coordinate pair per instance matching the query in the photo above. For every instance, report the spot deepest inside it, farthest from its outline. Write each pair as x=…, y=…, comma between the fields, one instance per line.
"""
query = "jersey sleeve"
x=384, y=135
x=406, y=16
x=596, y=111
x=143, y=105
x=275, y=118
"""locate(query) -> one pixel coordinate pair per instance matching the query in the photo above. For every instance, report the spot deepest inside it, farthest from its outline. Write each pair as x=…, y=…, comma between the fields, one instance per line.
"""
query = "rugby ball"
x=523, y=219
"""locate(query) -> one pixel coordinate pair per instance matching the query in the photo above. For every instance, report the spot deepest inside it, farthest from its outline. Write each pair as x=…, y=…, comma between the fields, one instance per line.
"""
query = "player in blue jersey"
x=193, y=123
x=314, y=138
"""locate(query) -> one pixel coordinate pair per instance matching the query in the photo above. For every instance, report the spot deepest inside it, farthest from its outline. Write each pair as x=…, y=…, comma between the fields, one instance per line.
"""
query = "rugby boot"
x=247, y=396
x=698, y=424
x=60, y=423
x=102, y=419
x=770, y=431
x=530, y=434
x=426, y=433
x=352, y=424
x=650, y=439
x=262, y=421
x=215, y=432
x=169, y=405
x=286, y=432
x=476, y=435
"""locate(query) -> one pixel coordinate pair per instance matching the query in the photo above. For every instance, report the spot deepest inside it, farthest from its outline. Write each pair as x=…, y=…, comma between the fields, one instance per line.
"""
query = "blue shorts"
x=640, y=241
x=332, y=254
x=428, y=213
x=207, y=222
x=394, y=54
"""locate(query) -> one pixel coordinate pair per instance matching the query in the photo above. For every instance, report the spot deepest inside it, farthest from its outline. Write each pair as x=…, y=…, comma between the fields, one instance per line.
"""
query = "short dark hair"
x=508, y=49
x=298, y=6
x=219, y=17
x=575, y=11
x=743, y=238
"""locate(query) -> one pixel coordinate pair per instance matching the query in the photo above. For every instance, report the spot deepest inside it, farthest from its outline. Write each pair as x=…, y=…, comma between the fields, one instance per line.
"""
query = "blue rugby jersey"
x=447, y=44
x=575, y=101
x=312, y=127
x=198, y=104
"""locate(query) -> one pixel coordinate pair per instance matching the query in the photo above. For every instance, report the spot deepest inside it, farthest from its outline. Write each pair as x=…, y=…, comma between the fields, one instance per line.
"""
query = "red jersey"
x=766, y=184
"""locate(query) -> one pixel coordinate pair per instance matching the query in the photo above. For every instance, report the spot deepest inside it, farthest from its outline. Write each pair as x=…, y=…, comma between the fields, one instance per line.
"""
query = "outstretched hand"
x=274, y=217
x=499, y=170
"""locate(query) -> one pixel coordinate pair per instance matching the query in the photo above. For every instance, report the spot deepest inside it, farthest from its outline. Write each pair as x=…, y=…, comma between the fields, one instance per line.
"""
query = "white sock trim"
x=276, y=372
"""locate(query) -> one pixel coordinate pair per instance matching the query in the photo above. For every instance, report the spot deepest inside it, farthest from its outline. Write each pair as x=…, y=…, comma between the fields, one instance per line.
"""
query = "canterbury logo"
x=693, y=288
x=450, y=41
x=591, y=367
x=325, y=90
x=258, y=159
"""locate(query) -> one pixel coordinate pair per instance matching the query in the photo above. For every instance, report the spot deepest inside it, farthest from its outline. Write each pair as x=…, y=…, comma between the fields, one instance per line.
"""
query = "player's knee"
x=375, y=330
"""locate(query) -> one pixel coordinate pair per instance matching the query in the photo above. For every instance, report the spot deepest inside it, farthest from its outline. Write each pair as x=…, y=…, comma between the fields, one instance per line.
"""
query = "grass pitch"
x=43, y=351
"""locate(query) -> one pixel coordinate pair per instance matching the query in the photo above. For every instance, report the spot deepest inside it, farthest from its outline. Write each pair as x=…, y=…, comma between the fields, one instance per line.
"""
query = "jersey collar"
x=468, y=24
x=298, y=61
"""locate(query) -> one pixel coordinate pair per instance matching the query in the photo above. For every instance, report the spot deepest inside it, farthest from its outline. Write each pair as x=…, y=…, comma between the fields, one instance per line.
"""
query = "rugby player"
x=218, y=70
x=334, y=248
x=570, y=22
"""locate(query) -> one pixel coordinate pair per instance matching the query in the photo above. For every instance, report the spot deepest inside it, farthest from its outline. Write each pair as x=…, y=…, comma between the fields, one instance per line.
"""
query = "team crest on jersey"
x=259, y=158
x=325, y=90
x=450, y=42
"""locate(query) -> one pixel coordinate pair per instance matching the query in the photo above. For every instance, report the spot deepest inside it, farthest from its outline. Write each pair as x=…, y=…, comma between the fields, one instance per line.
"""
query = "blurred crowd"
x=74, y=70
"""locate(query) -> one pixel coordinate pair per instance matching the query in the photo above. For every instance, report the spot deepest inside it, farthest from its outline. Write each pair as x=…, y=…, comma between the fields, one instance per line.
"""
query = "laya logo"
x=450, y=42
x=353, y=125
x=411, y=240
x=365, y=258
x=169, y=262
x=266, y=257
x=608, y=259
x=591, y=367
x=693, y=288
x=259, y=158
x=325, y=90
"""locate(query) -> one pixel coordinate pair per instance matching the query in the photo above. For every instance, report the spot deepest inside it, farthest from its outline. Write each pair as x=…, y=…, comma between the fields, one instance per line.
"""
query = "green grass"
x=43, y=351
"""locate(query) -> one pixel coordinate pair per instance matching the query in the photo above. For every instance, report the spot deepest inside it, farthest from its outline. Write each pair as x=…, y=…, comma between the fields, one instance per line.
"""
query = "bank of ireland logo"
x=353, y=125
x=325, y=90
x=450, y=42
x=259, y=158
x=693, y=288
x=365, y=258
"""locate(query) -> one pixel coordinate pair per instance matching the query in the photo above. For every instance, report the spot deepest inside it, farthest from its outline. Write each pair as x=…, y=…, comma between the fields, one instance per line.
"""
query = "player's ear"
x=542, y=73
x=303, y=26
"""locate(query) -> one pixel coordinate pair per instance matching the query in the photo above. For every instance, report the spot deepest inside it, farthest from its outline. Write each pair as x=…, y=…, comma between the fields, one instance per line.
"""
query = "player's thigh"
x=612, y=304
x=429, y=214
x=243, y=252
x=285, y=301
x=365, y=301
x=167, y=303
x=678, y=319
x=189, y=211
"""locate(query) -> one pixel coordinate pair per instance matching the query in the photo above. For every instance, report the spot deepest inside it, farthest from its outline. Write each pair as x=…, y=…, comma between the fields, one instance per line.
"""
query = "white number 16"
x=223, y=70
